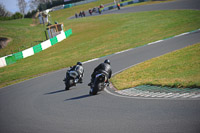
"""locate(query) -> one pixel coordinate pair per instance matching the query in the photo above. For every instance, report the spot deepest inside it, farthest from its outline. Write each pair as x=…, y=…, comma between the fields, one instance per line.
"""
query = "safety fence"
x=122, y=4
x=78, y=3
x=71, y=5
x=10, y=59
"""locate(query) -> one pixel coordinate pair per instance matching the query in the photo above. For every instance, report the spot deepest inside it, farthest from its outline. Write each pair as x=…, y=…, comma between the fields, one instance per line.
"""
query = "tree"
x=17, y=15
x=31, y=14
x=22, y=6
x=3, y=11
x=34, y=4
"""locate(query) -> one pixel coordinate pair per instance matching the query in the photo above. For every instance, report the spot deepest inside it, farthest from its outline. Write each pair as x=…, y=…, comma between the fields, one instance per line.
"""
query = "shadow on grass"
x=79, y=97
x=39, y=41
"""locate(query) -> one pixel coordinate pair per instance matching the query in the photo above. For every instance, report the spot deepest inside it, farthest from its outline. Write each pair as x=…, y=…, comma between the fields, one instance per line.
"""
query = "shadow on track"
x=79, y=97
x=54, y=92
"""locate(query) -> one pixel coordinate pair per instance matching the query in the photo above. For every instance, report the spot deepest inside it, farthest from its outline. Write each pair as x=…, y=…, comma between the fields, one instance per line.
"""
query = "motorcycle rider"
x=79, y=69
x=102, y=68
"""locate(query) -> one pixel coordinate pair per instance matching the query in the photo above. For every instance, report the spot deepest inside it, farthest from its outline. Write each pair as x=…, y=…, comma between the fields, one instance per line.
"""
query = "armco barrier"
x=122, y=4
x=131, y=2
x=8, y=60
x=68, y=6
x=78, y=3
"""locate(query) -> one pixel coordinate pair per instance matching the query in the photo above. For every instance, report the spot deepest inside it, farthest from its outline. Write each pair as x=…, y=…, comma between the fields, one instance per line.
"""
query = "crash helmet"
x=107, y=61
x=79, y=63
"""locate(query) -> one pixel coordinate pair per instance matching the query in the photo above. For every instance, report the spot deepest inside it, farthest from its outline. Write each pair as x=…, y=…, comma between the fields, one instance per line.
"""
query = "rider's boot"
x=81, y=80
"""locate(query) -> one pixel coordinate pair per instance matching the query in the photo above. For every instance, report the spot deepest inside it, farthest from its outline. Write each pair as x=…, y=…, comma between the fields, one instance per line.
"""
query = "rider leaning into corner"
x=102, y=68
x=79, y=69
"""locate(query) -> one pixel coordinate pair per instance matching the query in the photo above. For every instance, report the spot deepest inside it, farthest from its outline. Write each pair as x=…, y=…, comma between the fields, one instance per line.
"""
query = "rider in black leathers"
x=102, y=68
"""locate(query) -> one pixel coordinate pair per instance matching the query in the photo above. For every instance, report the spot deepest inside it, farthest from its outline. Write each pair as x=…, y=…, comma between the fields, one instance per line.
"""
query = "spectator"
x=90, y=11
x=83, y=13
x=118, y=6
x=94, y=10
x=99, y=10
x=80, y=14
x=76, y=15
x=101, y=6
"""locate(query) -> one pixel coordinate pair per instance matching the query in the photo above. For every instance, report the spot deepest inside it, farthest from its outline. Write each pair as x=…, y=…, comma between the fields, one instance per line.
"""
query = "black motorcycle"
x=99, y=83
x=72, y=78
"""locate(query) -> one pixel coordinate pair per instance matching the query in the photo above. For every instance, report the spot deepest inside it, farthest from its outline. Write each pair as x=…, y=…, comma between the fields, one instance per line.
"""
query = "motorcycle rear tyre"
x=95, y=89
x=68, y=84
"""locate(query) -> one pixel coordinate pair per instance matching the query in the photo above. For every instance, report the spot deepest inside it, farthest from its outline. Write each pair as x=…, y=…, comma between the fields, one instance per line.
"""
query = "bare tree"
x=22, y=6
x=3, y=11
x=34, y=3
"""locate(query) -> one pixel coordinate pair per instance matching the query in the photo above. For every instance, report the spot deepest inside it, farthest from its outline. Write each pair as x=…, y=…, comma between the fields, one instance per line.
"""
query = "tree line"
x=34, y=7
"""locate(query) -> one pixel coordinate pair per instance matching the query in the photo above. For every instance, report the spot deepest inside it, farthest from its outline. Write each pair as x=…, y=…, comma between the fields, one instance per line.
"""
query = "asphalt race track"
x=41, y=105
x=172, y=5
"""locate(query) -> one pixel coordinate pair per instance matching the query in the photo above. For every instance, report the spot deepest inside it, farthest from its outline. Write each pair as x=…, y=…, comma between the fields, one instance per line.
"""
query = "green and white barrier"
x=61, y=37
x=3, y=62
x=46, y=44
x=10, y=59
x=28, y=52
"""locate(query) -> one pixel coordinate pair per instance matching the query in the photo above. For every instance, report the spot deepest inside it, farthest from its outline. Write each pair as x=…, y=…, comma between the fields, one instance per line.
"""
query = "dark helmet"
x=79, y=63
x=107, y=61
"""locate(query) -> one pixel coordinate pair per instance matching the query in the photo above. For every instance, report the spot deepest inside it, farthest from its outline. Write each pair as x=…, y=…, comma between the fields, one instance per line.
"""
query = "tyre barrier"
x=122, y=4
x=10, y=59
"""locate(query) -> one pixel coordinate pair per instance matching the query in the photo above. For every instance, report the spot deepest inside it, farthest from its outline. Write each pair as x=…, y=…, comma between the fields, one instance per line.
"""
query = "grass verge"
x=102, y=35
x=62, y=15
x=22, y=33
x=176, y=69
x=26, y=33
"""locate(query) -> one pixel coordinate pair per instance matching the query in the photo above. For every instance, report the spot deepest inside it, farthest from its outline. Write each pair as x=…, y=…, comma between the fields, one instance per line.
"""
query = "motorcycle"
x=72, y=78
x=99, y=83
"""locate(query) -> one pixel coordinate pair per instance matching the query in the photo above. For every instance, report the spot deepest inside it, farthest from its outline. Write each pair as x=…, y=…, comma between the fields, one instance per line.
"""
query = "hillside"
x=25, y=33
x=92, y=37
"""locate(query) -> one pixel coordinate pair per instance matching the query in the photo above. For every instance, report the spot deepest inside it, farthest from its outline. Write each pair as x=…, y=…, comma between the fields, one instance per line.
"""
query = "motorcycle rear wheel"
x=68, y=84
x=95, y=89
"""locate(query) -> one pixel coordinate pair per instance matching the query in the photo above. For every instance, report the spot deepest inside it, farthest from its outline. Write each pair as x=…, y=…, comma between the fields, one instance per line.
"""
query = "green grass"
x=176, y=69
x=62, y=15
x=99, y=36
x=22, y=33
